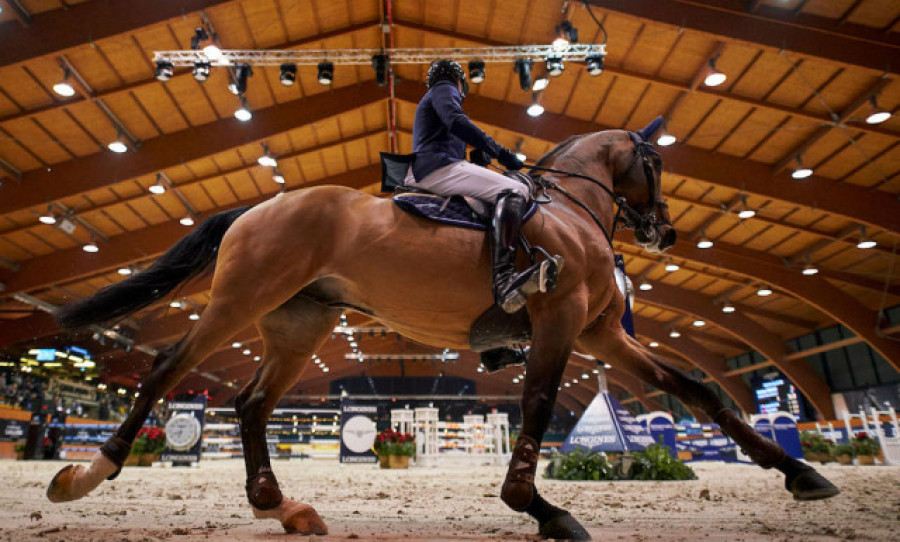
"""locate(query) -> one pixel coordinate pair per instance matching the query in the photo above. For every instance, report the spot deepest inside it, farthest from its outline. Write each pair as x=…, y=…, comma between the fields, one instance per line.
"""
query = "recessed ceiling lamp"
x=476, y=71
x=715, y=77
x=325, y=73
x=288, y=74
x=878, y=115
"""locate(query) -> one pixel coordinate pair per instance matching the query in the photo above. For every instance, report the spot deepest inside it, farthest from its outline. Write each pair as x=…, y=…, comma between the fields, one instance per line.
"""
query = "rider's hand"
x=479, y=158
x=509, y=160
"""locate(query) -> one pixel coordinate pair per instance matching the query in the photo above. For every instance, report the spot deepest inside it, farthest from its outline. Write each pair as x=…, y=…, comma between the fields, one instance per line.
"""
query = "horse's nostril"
x=669, y=238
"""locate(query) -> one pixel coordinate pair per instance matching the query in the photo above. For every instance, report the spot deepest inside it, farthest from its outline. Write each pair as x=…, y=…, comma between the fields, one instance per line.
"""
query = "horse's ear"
x=647, y=132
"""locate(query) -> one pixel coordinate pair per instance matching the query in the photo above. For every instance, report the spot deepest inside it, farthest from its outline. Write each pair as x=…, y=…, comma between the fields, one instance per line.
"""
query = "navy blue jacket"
x=441, y=131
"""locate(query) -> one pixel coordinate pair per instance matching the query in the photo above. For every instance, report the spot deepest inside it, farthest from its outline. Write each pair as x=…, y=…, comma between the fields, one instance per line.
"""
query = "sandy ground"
x=446, y=503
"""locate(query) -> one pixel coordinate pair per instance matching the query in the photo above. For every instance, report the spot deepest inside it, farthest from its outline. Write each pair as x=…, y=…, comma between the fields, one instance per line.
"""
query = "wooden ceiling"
x=800, y=77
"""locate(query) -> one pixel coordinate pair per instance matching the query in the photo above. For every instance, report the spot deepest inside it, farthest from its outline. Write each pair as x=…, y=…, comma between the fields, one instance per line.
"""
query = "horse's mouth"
x=656, y=239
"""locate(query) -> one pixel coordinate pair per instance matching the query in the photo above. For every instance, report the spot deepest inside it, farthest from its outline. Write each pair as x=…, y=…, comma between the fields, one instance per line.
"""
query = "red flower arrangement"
x=150, y=440
x=390, y=442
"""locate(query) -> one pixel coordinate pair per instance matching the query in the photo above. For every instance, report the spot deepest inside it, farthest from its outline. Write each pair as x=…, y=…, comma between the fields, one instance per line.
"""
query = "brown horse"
x=291, y=264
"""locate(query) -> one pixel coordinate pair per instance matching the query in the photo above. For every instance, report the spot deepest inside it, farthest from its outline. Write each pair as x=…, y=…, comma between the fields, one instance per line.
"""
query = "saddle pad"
x=454, y=210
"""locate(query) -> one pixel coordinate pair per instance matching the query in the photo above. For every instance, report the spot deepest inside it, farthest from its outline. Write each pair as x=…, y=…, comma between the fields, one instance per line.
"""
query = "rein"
x=632, y=218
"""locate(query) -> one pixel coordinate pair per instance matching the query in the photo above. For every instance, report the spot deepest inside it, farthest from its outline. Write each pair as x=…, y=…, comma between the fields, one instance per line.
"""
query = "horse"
x=293, y=263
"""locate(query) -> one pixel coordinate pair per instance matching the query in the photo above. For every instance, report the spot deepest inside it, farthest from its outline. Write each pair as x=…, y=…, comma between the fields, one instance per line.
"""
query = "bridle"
x=626, y=215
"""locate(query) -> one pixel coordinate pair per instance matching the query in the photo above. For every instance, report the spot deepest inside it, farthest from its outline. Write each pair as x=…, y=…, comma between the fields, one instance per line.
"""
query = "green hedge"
x=653, y=463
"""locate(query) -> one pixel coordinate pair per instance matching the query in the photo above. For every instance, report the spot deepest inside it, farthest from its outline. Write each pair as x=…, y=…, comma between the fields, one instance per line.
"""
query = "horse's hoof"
x=563, y=527
x=305, y=521
x=60, y=489
x=809, y=485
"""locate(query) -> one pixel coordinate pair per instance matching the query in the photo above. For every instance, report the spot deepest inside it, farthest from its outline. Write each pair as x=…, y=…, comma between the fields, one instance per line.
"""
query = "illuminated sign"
x=46, y=354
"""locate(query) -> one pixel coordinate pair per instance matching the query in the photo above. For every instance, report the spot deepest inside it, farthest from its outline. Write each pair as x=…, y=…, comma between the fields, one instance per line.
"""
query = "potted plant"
x=866, y=449
x=844, y=453
x=19, y=449
x=394, y=449
x=149, y=444
x=816, y=447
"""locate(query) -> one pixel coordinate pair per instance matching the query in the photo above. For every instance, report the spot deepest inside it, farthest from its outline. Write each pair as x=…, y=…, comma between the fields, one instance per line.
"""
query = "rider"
x=440, y=133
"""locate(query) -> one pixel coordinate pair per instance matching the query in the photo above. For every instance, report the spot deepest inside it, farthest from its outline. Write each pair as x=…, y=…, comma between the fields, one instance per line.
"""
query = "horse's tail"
x=188, y=258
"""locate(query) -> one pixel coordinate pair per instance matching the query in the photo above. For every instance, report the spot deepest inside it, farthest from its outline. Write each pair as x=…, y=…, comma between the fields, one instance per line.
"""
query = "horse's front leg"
x=554, y=332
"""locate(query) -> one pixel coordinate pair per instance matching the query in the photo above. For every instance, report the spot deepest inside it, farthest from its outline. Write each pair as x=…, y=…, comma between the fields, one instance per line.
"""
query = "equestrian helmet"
x=447, y=69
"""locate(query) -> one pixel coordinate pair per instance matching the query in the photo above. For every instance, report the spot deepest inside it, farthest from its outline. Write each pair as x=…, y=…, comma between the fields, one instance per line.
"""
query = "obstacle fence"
x=440, y=442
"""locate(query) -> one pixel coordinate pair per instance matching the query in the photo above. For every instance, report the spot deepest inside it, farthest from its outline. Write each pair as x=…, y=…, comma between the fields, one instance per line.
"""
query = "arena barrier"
x=881, y=425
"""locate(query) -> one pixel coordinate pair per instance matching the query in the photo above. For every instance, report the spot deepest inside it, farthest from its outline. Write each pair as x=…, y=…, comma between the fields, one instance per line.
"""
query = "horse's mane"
x=558, y=149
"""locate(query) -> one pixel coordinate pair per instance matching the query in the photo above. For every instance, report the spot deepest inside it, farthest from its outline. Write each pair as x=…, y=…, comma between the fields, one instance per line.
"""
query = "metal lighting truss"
x=276, y=57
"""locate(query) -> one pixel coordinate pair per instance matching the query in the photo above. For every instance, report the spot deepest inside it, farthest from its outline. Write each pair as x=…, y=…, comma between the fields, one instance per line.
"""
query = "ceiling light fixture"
x=698, y=323
x=48, y=217
x=201, y=71
x=243, y=113
x=523, y=67
x=653, y=344
x=728, y=307
x=159, y=187
x=476, y=71
x=325, y=73
x=164, y=70
x=117, y=146
x=288, y=74
x=704, y=242
x=277, y=177
x=241, y=74
x=535, y=109
x=594, y=64
x=565, y=34
x=555, y=65
x=665, y=137
x=801, y=172
x=865, y=242
x=267, y=161
x=645, y=286
x=764, y=291
x=877, y=116
x=212, y=52
x=90, y=247
x=379, y=64
x=715, y=77
x=186, y=221
x=124, y=271
x=810, y=270
x=674, y=334
x=63, y=88
x=671, y=266
x=540, y=82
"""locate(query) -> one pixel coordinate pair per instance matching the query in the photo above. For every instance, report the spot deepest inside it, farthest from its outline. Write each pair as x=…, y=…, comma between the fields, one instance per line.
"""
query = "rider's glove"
x=479, y=158
x=509, y=160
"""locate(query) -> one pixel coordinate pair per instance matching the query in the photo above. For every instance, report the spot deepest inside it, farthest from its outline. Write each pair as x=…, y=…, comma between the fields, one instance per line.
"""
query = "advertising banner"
x=184, y=431
x=358, y=431
x=606, y=426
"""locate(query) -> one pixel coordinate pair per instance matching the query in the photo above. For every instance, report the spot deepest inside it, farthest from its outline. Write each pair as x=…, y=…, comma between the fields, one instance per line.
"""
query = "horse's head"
x=636, y=168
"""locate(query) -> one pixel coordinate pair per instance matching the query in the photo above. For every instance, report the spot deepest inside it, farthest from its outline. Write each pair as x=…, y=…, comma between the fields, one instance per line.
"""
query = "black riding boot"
x=511, y=288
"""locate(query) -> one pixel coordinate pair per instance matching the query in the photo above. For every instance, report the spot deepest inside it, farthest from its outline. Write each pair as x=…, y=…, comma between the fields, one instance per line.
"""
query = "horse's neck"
x=592, y=196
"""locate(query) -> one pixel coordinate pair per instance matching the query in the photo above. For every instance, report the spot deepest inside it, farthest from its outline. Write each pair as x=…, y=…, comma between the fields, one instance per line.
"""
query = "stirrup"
x=539, y=278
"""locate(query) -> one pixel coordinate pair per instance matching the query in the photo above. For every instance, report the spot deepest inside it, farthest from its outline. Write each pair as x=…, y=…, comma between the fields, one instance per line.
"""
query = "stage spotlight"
x=555, y=65
x=594, y=64
x=379, y=64
x=325, y=73
x=201, y=71
x=199, y=37
x=523, y=68
x=476, y=71
x=565, y=34
x=164, y=70
x=540, y=81
x=241, y=73
x=212, y=52
x=288, y=74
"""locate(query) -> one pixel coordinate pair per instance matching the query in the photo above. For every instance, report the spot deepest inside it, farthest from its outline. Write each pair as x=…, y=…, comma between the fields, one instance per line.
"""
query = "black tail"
x=188, y=258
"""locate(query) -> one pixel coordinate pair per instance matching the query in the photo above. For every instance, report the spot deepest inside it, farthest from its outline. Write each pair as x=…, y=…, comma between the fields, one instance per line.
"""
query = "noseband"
x=626, y=215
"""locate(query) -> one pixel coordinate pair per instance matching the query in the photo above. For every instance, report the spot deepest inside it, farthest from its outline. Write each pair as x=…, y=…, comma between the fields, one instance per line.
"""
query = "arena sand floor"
x=446, y=503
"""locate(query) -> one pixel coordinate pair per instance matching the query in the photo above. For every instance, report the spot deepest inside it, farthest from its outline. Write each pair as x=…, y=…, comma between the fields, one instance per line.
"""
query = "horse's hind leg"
x=629, y=355
x=291, y=334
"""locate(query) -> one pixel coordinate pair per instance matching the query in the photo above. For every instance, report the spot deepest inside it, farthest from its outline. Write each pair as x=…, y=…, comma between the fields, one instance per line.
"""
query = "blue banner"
x=662, y=429
x=606, y=426
x=786, y=434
